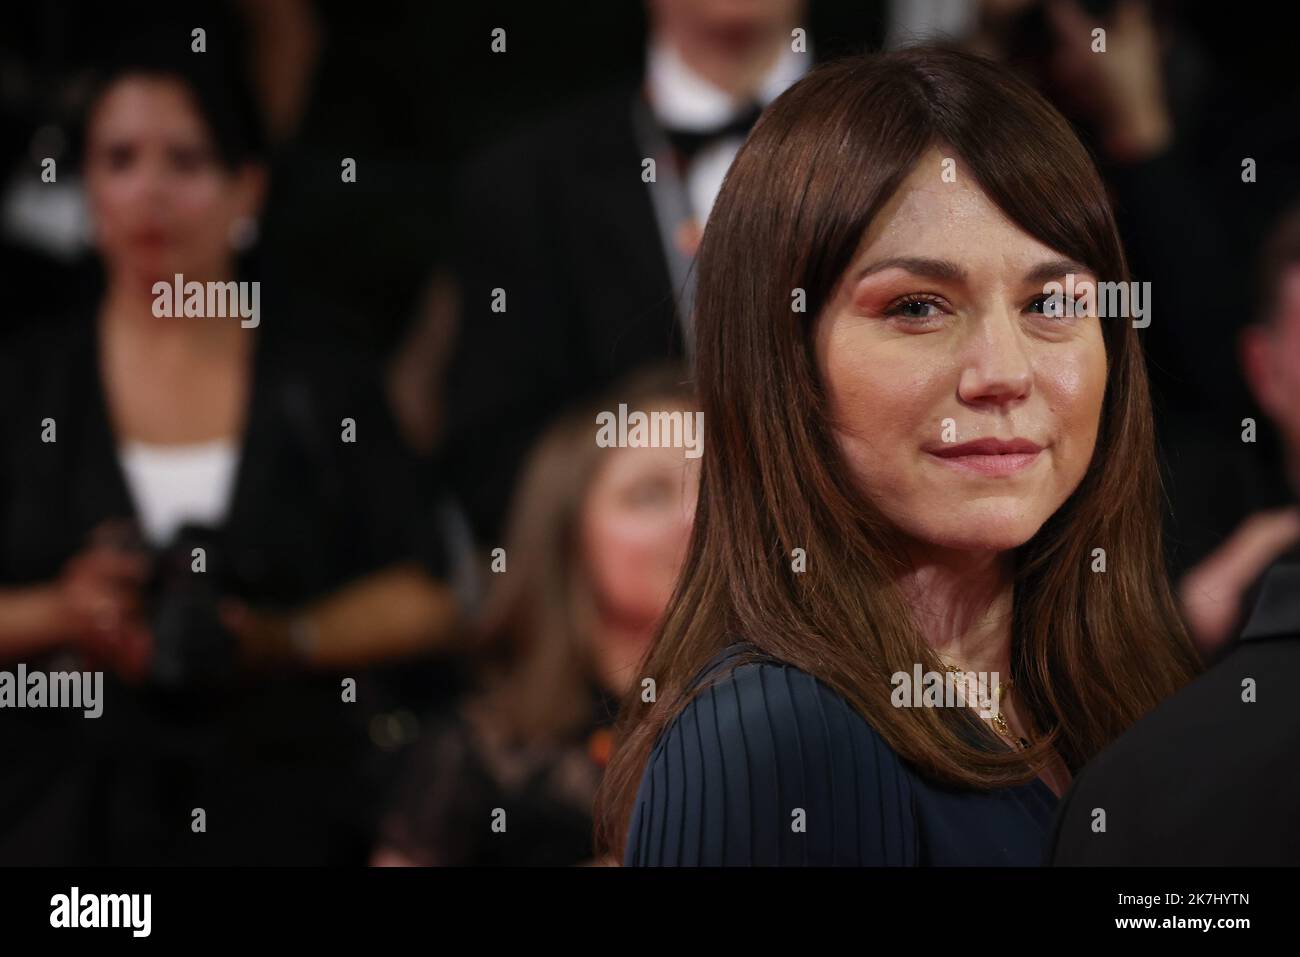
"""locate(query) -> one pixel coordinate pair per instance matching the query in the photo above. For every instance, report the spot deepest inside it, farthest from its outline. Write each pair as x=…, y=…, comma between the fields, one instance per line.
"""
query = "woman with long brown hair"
x=921, y=459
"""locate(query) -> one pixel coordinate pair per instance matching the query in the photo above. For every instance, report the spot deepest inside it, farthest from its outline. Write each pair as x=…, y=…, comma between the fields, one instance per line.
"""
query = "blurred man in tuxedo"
x=1211, y=776
x=572, y=269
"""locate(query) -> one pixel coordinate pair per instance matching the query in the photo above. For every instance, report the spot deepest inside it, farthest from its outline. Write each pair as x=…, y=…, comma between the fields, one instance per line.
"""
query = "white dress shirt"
x=172, y=485
x=682, y=99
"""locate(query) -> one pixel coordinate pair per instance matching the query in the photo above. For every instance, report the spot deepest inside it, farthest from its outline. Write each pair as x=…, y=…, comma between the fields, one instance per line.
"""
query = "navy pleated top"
x=768, y=766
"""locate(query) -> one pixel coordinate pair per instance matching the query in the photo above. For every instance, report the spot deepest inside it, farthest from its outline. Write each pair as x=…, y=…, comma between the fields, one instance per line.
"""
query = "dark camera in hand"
x=192, y=648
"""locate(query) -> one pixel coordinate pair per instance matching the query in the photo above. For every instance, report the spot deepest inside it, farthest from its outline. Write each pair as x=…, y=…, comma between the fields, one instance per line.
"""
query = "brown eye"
x=118, y=156
x=188, y=159
x=649, y=492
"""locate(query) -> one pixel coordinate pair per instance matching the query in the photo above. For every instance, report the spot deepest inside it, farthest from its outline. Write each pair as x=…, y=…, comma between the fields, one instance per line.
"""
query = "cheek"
x=1074, y=384
x=634, y=561
x=203, y=210
x=202, y=195
x=114, y=205
x=882, y=401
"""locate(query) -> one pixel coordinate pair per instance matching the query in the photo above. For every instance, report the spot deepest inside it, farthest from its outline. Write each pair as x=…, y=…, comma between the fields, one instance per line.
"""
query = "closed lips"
x=989, y=458
x=987, y=447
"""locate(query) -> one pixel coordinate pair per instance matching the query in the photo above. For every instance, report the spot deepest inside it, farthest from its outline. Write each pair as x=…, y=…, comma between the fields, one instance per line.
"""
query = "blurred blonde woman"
x=596, y=539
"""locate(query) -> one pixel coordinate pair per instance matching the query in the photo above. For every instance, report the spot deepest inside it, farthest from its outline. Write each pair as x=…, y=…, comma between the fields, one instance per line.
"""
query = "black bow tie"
x=688, y=143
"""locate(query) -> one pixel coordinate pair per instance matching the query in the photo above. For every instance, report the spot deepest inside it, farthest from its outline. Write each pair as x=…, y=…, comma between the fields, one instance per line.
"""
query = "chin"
x=982, y=529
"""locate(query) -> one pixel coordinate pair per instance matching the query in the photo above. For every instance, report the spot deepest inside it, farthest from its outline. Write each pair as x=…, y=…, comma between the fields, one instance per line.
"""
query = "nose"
x=996, y=369
x=158, y=185
x=148, y=183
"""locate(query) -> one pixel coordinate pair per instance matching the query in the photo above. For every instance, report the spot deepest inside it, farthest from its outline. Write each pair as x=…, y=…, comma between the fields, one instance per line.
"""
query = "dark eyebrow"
x=943, y=269
x=919, y=266
x=1055, y=269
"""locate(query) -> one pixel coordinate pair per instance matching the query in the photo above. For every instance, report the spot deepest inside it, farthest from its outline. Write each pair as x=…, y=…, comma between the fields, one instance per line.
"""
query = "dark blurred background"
x=519, y=170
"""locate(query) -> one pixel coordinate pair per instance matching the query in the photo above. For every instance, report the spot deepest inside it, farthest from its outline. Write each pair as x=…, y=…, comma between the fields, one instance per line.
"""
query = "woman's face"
x=161, y=201
x=636, y=524
x=935, y=337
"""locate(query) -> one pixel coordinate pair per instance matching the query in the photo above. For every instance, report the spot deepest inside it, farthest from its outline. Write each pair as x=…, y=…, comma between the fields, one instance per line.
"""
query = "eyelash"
x=895, y=308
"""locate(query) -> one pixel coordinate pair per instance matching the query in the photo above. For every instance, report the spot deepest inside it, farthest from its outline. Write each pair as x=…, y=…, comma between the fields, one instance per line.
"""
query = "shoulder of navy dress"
x=769, y=766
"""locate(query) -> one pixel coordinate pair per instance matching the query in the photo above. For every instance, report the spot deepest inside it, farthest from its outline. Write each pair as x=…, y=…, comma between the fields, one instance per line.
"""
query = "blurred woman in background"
x=130, y=442
x=596, y=540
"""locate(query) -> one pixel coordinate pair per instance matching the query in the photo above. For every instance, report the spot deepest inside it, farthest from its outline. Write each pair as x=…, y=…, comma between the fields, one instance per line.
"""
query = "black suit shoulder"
x=766, y=765
x=531, y=171
x=1208, y=777
x=562, y=135
x=564, y=289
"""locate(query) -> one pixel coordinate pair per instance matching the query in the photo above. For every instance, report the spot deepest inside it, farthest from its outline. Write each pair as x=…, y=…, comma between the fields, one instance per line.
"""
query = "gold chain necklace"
x=999, y=723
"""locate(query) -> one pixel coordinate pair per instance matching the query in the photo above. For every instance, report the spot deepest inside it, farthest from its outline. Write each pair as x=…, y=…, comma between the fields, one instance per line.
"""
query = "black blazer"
x=1206, y=778
x=728, y=778
x=558, y=217
x=277, y=765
